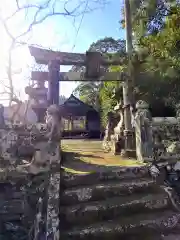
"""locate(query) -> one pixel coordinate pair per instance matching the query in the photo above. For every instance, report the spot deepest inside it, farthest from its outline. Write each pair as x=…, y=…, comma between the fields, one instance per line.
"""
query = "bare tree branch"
x=38, y=12
x=75, y=12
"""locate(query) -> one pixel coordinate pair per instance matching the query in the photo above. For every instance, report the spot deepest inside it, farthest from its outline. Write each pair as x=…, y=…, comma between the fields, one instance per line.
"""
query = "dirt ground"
x=87, y=155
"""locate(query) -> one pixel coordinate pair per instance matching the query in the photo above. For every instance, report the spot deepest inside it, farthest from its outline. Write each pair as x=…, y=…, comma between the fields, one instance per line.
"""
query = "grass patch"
x=73, y=171
x=90, y=152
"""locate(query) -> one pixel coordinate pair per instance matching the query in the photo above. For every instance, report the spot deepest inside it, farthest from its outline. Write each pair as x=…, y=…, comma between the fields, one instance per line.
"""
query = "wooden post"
x=53, y=82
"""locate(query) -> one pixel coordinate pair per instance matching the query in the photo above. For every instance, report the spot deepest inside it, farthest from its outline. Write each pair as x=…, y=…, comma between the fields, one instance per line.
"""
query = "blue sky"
x=100, y=23
x=95, y=25
x=59, y=33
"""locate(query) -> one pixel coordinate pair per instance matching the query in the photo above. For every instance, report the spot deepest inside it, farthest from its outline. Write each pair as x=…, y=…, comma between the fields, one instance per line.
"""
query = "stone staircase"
x=117, y=204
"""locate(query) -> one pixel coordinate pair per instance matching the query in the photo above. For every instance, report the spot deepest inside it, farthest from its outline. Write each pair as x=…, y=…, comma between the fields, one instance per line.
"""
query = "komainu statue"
x=109, y=131
x=46, y=140
x=143, y=109
x=113, y=140
x=53, y=123
x=117, y=139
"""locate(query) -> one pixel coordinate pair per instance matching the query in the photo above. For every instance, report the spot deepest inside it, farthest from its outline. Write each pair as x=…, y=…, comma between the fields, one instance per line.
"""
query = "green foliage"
x=157, y=35
x=156, y=58
x=148, y=16
x=107, y=99
x=109, y=45
x=88, y=92
x=103, y=96
x=163, y=49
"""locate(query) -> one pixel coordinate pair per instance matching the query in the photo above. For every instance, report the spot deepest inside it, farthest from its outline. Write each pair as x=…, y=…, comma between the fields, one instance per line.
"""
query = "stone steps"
x=109, y=189
x=116, y=174
x=141, y=225
x=121, y=203
x=113, y=208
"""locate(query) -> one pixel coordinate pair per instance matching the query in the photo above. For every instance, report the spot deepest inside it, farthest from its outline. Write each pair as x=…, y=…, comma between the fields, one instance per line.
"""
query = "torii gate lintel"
x=93, y=61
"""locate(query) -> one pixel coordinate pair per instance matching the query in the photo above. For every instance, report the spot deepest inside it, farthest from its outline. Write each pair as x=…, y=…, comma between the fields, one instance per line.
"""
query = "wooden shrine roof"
x=75, y=107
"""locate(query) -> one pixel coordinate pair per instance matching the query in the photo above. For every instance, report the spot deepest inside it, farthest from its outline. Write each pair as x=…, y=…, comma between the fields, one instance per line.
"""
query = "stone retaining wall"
x=29, y=206
x=157, y=138
x=19, y=195
x=29, y=183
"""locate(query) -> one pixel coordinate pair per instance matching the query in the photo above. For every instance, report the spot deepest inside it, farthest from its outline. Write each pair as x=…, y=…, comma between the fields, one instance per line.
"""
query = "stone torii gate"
x=94, y=71
x=93, y=61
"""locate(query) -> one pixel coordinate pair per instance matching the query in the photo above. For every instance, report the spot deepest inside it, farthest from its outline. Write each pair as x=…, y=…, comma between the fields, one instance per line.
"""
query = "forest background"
x=156, y=59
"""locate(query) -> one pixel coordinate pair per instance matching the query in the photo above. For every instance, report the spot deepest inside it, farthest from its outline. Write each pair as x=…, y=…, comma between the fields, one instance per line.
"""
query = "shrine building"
x=79, y=118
